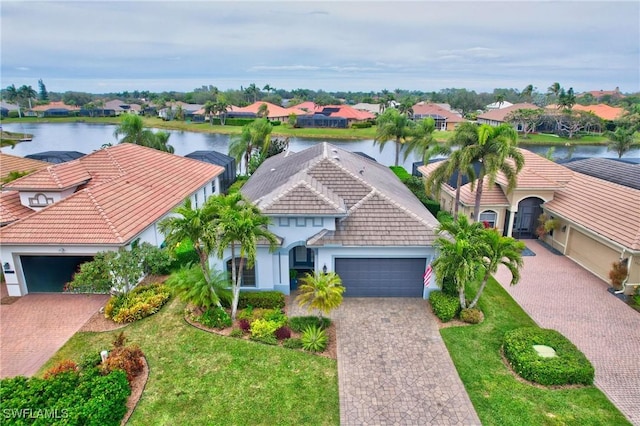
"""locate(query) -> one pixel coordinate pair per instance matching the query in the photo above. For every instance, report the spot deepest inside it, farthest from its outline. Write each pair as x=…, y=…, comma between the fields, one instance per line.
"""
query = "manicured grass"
x=199, y=378
x=501, y=399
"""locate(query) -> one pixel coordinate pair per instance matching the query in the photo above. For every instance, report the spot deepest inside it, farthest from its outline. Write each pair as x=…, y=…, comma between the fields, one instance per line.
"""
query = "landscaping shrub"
x=276, y=316
x=361, y=125
x=236, y=332
x=261, y=299
x=298, y=324
x=283, y=332
x=262, y=328
x=235, y=186
x=244, y=325
x=155, y=261
x=139, y=303
x=61, y=367
x=618, y=274
x=127, y=359
x=183, y=255
x=314, y=339
x=292, y=343
x=444, y=306
x=444, y=216
x=471, y=316
x=76, y=397
x=401, y=172
x=233, y=121
x=89, y=360
x=215, y=317
x=570, y=366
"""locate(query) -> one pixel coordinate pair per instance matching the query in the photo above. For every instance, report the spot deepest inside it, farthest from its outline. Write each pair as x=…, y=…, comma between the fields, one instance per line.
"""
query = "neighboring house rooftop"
x=501, y=114
x=430, y=109
x=372, y=206
x=275, y=111
x=11, y=209
x=12, y=163
x=603, y=111
x=611, y=170
x=600, y=93
x=341, y=111
x=129, y=187
x=56, y=156
x=55, y=105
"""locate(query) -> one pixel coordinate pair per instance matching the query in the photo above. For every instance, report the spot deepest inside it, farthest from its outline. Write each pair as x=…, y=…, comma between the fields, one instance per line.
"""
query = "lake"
x=85, y=138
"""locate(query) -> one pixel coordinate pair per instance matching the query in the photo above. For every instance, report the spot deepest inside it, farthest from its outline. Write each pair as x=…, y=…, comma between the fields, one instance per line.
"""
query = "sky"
x=102, y=47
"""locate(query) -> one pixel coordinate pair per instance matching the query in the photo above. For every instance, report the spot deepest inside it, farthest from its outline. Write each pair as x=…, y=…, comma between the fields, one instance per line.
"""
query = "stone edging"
x=135, y=397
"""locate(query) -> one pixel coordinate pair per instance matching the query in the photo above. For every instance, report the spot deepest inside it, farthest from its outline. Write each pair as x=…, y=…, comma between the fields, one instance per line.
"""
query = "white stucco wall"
x=54, y=195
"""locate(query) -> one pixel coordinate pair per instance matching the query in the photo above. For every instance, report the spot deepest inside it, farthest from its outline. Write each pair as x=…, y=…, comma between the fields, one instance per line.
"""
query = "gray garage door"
x=381, y=277
x=49, y=274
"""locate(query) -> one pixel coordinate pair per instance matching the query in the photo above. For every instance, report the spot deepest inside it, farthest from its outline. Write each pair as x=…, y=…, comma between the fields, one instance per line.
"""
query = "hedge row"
x=444, y=306
x=260, y=299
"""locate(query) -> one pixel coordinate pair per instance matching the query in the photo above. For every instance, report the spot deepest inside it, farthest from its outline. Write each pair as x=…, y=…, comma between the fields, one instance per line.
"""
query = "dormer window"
x=40, y=200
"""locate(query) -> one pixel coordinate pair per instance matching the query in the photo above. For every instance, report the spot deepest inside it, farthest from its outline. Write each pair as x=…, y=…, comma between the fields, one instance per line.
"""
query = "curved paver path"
x=558, y=293
x=34, y=327
x=393, y=367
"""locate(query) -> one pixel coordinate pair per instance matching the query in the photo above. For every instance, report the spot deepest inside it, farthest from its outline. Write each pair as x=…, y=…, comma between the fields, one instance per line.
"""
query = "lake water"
x=85, y=138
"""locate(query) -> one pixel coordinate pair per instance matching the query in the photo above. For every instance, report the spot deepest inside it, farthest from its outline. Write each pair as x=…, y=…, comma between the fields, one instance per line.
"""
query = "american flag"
x=427, y=276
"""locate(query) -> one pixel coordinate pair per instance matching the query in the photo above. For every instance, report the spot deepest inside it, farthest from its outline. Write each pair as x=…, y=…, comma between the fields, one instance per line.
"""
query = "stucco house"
x=111, y=198
x=445, y=118
x=334, y=210
x=496, y=117
x=598, y=220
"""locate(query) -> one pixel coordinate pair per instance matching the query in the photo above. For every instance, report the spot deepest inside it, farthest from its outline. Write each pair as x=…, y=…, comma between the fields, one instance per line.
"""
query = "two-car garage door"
x=381, y=277
x=47, y=274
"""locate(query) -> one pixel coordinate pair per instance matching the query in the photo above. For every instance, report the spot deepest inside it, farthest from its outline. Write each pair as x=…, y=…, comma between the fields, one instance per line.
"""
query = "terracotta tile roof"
x=600, y=93
x=343, y=111
x=275, y=111
x=133, y=187
x=603, y=111
x=491, y=195
x=57, y=178
x=605, y=208
x=330, y=180
x=538, y=172
x=55, y=105
x=10, y=207
x=425, y=108
x=12, y=163
x=501, y=114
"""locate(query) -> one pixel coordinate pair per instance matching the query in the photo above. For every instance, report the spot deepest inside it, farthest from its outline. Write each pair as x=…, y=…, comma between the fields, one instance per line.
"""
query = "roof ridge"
x=103, y=214
x=54, y=176
x=320, y=194
x=115, y=161
x=406, y=210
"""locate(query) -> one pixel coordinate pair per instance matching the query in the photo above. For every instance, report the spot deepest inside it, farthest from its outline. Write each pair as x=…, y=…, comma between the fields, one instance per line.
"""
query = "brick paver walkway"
x=33, y=328
x=393, y=367
x=559, y=294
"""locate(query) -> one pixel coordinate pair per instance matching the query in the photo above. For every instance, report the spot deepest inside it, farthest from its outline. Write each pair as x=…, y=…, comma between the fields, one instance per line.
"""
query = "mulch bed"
x=7, y=300
x=137, y=387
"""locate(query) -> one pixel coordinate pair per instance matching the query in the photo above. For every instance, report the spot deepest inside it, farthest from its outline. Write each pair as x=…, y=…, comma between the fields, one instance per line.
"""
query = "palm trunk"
x=458, y=185
x=236, y=283
x=397, y=150
x=463, y=302
x=480, y=290
x=476, y=209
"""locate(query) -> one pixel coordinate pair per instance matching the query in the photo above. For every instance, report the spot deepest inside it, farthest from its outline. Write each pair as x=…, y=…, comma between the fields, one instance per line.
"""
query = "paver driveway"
x=557, y=293
x=393, y=367
x=33, y=328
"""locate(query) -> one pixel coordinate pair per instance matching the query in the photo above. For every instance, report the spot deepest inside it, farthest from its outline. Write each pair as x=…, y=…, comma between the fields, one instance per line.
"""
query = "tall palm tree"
x=460, y=249
x=554, y=89
x=392, y=125
x=422, y=140
x=132, y=130
x=209, y=109
x=320, y=291
x=497, y=250
x=499, y=99
x=622, y=140
x=460, y=161
x=256, y=134
x=27, y=93
x=527, y=92
x=221, y=108
x=406, y=107
x=240, y=225
x=496, y=145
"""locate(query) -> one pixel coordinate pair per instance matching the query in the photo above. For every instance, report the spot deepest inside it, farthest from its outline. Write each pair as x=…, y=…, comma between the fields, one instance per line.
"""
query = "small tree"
x=190, y=285
x=320, y=291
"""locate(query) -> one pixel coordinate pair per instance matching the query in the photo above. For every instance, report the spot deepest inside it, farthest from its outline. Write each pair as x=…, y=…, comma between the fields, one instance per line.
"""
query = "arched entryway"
x=526, y=218
x=301, y=261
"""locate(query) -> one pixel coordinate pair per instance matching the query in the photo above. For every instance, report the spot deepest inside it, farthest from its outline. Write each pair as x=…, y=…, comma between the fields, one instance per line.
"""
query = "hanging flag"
x=427, y=276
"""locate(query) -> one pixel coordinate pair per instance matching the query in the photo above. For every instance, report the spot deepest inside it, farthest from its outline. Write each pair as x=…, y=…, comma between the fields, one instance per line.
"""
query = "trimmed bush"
x=361, y=125
x=261, y=299
x=244, y=325
x=61, y=367
x=215, y=317
x=314, y=339
x=282, y=333
x=570, y=366
x=142, y=301
x=262, y=328
x=444, y=306
x=401, y=172
x=471, y=316
x=292, y=343
x=298, y=324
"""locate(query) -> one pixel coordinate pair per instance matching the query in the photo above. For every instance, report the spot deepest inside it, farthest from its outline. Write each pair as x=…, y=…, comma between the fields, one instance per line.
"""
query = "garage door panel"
x=49, y=274
x=591, y=254
x=381, y=277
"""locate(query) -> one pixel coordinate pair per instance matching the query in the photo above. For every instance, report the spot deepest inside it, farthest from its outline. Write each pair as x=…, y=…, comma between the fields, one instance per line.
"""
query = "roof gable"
x=13, y=163
x=502, y=113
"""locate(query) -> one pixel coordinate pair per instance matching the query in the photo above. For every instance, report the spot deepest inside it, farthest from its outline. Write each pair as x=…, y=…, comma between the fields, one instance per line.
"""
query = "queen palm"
x=240, y=225
x=132, y=130
x=256, y=134
x=392, y=125
x=496, y=152
x=321, y=291
x=421, y=141
x=622, y=140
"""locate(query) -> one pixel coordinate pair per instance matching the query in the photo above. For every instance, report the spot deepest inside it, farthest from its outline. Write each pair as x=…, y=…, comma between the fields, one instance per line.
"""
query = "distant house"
x=6, y=107
x=169, y=112
x=274, y=112
x=119, y=107
x=338, y=116
x=497, y=117
x=109, y=199
x=445, y=119
x=498, y=105
x=603, y=94
x=54, y=109
x=604, y=111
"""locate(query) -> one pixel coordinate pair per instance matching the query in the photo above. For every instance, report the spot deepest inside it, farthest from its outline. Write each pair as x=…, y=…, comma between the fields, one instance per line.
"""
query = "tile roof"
x=342, y=111
x=130, y=188
x=426, y=108
x=55, y=105
x=603, y=111
x=12, y=163
x=325, y=179
x=53, y=178
x=605, y=208
x=620, y=172
x=501, y=114
x=275, y=111
x=491, y=195
x=11, y=209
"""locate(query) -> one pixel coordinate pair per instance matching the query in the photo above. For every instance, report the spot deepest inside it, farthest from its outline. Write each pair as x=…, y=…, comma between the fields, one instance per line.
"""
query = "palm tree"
x=622, y=140
x=495, y=146
x=497, y=250
x=422, y=140
x=11, y=94
x=406, y=107
x=499, y=99
x=460, y=249
x=196, y=225
x=161, y=142
x=27, y=93
x=190, y=285
x=221, y=108
x=460, y=161
x=320, y=291
x=554, y=90
x=252, y=90
x=566, y=100
x=209, y=109
x=263, y=111
x=256, y=134
x=527, y=92
x=267, y=88
x=392, y=125
x=132, y=129
x=240, y=225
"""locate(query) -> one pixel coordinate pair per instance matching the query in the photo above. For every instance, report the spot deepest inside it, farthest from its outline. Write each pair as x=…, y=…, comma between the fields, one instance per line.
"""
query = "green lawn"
x=498, y=397
x=199, y=378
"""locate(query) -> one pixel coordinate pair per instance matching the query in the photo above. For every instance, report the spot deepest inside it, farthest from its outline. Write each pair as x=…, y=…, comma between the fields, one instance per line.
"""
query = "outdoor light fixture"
x=6, y=266
x=324, y=269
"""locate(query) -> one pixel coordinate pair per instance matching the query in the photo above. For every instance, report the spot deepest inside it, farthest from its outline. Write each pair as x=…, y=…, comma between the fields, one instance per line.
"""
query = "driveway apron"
x=559, y=294
x=393, y=367
x=34, y=327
